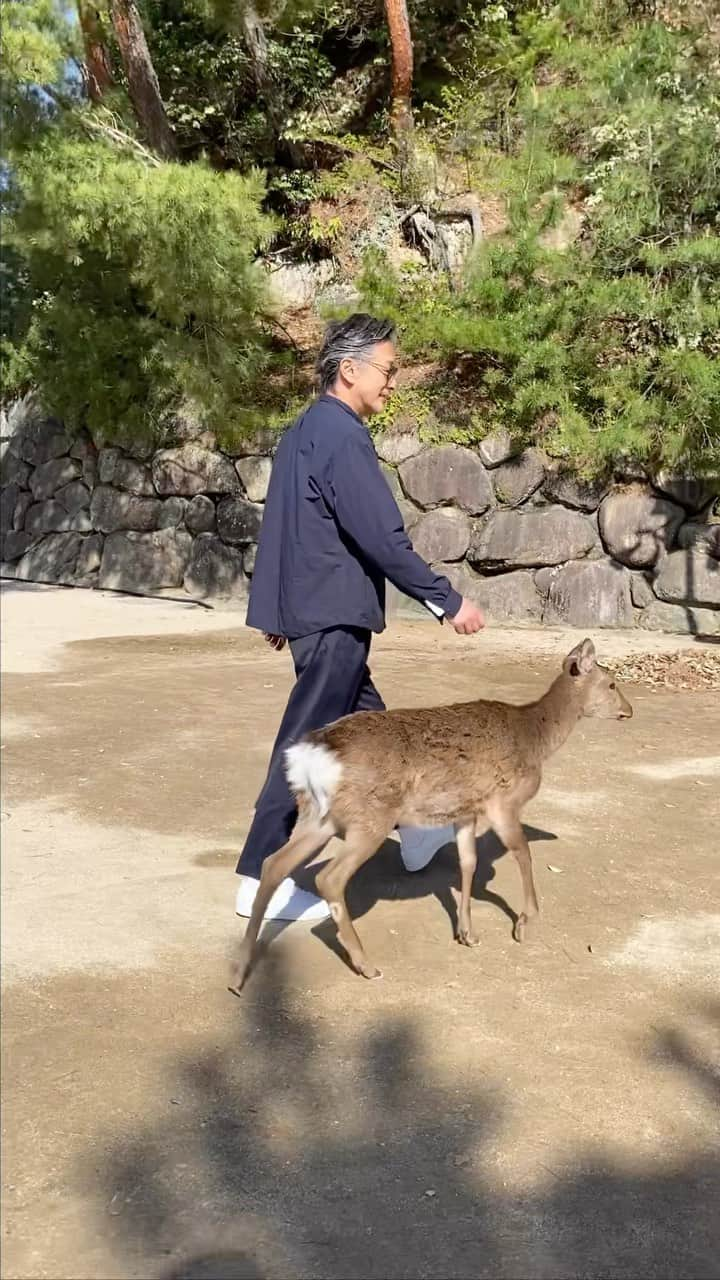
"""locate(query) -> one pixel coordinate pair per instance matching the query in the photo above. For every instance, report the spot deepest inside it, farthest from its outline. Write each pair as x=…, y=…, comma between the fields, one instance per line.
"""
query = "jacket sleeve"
x=367, y=512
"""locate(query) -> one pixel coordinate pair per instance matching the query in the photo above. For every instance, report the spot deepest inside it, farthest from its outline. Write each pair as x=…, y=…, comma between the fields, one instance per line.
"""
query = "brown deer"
x=475, y=764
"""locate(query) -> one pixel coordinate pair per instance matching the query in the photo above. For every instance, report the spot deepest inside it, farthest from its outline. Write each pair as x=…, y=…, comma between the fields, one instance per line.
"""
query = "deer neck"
x=551, y=720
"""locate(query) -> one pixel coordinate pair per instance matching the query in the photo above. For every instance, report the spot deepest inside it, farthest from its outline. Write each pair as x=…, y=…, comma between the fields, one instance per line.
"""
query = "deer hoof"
x=468, y=939
x=370, y=972
x=519, y=928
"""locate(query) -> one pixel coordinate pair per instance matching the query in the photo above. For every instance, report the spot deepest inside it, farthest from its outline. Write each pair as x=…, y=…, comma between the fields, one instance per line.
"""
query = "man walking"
x=331, y=534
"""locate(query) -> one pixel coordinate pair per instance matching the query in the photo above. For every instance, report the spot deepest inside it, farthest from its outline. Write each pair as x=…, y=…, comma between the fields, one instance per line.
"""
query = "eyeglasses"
x=388, y=374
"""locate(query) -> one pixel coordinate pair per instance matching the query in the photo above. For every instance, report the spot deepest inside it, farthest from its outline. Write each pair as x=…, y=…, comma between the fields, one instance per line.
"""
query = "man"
x=331, y=534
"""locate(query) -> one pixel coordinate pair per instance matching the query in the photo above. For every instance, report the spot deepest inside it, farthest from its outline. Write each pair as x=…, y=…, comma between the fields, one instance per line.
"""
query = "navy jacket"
x=332, y=533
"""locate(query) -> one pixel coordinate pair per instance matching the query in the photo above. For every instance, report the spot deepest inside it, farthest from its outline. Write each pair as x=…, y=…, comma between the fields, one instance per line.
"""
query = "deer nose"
x=625, y=713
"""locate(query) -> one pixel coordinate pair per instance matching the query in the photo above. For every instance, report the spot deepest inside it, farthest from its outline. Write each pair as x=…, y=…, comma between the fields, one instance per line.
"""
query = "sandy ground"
x=544, y=1111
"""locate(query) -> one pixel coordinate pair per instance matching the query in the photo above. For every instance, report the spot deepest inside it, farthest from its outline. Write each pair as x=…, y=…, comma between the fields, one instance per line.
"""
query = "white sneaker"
x=287, y=903
x=418, y=845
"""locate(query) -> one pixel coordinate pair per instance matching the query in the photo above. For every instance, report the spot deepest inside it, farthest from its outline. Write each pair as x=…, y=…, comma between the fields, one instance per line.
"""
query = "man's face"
x=372, y=378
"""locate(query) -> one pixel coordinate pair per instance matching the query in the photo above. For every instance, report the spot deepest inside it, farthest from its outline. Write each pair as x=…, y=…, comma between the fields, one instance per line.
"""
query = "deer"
x=472, y=764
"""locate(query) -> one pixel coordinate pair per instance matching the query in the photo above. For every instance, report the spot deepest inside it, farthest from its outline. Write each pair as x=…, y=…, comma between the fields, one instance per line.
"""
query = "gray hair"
x=350, y=339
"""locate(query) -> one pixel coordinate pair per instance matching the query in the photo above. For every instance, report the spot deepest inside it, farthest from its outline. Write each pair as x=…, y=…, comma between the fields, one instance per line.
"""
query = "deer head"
x=601, y=696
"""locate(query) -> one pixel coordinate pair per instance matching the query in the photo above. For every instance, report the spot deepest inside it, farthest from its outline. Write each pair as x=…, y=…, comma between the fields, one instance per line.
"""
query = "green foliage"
x=146, y=296
x=610, y=348
x=130, y=288
x=37, y=46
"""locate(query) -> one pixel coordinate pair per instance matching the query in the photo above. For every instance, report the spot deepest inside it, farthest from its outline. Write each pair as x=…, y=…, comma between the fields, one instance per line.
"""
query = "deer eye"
x=612, y=684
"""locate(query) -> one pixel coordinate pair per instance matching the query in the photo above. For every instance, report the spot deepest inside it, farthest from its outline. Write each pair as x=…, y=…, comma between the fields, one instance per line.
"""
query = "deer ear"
x=581, y=660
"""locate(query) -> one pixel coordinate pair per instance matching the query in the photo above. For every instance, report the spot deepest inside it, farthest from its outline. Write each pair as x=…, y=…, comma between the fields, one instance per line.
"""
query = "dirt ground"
x=545, y=1111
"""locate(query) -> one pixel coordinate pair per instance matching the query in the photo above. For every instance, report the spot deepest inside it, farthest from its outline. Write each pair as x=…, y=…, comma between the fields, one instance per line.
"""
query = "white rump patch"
x=315, y=770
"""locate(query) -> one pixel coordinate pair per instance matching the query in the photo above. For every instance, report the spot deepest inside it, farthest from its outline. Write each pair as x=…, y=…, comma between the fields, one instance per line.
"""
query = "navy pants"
x=332, y=680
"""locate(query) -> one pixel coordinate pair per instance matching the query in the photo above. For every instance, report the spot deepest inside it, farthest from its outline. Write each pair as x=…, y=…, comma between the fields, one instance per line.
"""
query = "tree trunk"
x=255, y=40
x=98, y=76
x=142, y=80
x=401, y=116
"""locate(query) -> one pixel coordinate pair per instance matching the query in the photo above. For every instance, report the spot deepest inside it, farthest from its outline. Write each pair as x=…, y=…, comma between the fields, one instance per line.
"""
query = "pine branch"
x=119, y=139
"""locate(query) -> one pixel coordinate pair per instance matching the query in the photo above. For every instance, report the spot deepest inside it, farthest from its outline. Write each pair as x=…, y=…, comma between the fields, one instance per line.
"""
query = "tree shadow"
x=216, y=1266
x=292, y=1153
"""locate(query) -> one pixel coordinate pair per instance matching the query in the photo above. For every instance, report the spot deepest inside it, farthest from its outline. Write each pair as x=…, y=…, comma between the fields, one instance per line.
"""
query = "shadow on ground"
x=286, y=1152
x=383, y=878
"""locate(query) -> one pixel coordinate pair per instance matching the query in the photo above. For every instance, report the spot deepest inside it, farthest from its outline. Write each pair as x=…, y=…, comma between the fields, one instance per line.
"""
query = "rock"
x=296, y=285
x=46, y=517
x=641, y=591
x=172, y=513
x=496, y=447
x=215, y=570
x=689, y=577
x=193, y=469
x=629, y=470
x=249, y=557
x=528, y=538
x=106, y=463
x=591, y=594
x=637, y=527
x=90, y=556
x=564, y=486
x=89, y=471
x=15, y=544
x=125, y=473
x=75, y=496
x=111, y=509
x=515, y=480
x=200, y=514
x=52, y=559
x=543, y=577
x=82, y=447
x=182, y=424
x=239, y=521
x=397, y=446
x=687, y=490
x=457, y=237
x=683, y=619
x=22, y=506
x=134, y=477
x=139, y=444
x=12, y=468
x=51, y=476
x=145, y=562
x=262, y=443
x=410, y=514
x=442, y=535
x=393, y=481
x=505, y=597
x=565, y=232
x=79, y=521
x=8, y=503
x=700, y=537
x=255, y=476
x=447, y=474
x=41, y=440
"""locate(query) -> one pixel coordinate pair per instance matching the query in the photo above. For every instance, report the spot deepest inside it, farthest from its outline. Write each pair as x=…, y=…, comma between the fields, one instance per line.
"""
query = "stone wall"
x=526, y=541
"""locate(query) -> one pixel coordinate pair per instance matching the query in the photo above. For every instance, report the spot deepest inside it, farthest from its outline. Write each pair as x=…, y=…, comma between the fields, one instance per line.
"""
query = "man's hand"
x=275, y=642
x=468, y=619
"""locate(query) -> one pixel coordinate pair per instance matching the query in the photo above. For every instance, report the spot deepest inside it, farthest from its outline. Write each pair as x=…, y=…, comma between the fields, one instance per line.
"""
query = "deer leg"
x=331, y=882
x=467, y=852
x=509, y=829
x=307, y=839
